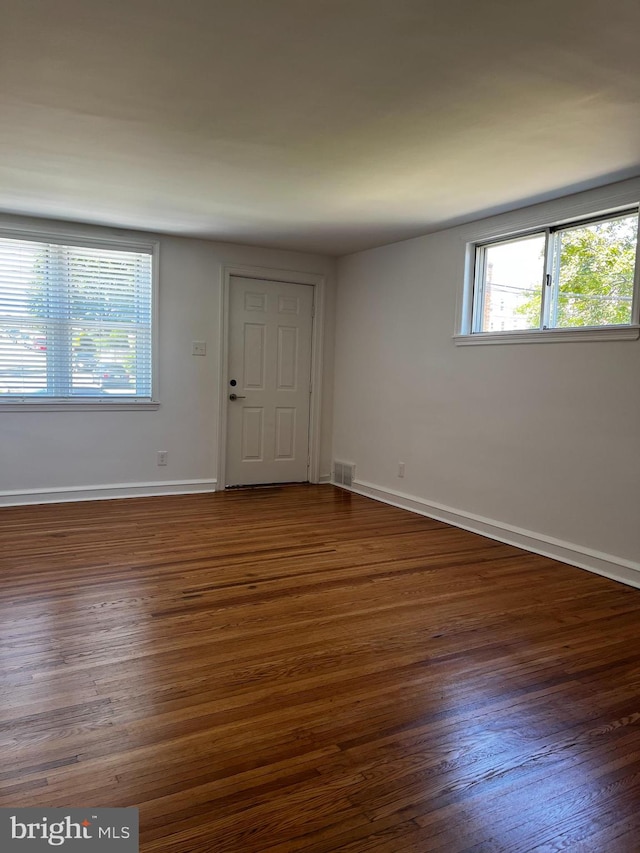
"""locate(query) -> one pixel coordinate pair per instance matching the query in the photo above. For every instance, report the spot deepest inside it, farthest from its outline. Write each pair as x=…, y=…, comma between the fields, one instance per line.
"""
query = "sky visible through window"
x=514, y=274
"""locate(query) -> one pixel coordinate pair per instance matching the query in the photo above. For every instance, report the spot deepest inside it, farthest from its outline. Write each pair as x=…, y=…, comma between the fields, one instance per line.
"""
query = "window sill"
x=78, y=406
x=540, y=336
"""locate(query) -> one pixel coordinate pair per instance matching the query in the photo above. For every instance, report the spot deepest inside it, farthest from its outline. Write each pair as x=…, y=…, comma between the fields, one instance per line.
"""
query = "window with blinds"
x=75, y=321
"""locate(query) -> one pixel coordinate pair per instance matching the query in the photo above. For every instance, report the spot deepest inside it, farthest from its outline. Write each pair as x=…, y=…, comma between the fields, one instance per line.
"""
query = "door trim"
x=317, y=281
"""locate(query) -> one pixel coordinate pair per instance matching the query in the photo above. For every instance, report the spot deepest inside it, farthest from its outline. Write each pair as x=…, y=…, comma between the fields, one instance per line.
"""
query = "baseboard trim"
x=108, y=491
x=607, y=565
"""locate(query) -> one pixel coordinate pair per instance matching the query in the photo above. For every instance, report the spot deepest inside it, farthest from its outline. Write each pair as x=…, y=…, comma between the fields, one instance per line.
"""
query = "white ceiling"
x=323, y=125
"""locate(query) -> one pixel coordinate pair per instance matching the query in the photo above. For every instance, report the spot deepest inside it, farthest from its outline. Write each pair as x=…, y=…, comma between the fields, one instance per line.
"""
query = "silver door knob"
x=235, y=397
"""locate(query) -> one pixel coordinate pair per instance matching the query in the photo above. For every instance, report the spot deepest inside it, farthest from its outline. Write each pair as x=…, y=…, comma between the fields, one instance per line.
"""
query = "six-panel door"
x=270, y=325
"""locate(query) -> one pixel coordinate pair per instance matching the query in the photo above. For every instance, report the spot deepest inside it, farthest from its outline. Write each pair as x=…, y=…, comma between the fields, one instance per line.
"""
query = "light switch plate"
x=199, y=348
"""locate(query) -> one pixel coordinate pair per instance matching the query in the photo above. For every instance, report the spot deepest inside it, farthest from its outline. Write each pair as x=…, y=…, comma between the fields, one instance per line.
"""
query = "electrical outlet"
x=199, y=348
x=162, y=457
x=400, y=469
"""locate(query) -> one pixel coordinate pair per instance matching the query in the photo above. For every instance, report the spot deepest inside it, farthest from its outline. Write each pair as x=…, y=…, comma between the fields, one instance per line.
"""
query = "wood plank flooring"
x=302, y=669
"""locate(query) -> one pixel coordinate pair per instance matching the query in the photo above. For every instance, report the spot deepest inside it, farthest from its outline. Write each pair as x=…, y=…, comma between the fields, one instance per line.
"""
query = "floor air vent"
x=343, y=473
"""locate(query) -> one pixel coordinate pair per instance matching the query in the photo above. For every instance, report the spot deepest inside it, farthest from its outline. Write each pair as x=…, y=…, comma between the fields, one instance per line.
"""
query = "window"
x=576, y=276
x=75, y=321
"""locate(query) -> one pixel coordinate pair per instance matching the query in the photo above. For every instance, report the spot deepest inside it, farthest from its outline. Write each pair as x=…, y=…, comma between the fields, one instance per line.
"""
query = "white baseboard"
x=608, y=565
x=325, y=478
x=105, y=492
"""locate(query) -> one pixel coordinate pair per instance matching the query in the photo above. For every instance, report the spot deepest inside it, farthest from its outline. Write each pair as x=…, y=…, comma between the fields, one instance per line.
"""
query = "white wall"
x=51, y=451
x=540, y=437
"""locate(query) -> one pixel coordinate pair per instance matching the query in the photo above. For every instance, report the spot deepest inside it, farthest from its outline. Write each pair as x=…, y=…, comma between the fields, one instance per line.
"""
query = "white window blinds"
x=75, y=321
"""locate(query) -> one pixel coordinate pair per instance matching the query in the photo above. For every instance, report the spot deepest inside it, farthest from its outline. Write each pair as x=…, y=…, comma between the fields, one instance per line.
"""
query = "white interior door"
x=269, y=382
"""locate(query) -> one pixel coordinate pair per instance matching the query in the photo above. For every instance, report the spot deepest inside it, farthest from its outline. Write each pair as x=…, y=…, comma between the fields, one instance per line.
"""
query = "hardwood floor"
x=302, y=669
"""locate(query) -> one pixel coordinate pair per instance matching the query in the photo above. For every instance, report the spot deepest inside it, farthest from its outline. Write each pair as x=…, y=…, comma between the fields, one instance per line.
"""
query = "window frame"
x=469, y=332
x=116, y=242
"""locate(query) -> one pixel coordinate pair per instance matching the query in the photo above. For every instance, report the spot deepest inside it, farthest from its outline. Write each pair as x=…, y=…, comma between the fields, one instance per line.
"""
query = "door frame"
x=316, y=281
